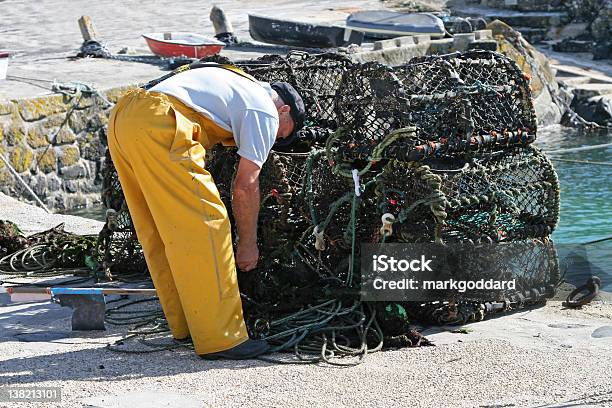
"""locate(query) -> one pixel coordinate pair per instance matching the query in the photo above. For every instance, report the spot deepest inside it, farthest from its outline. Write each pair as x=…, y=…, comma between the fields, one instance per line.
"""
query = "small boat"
x=179, y=44
x=300, y=34
x=390, y=24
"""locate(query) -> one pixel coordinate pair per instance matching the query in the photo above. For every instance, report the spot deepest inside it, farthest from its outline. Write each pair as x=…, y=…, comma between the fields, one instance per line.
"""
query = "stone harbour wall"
x=55, y=143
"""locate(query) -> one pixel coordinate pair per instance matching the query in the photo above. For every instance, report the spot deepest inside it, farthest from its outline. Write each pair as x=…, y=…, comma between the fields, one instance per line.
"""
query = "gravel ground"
x=41, y=35
x=543, y=357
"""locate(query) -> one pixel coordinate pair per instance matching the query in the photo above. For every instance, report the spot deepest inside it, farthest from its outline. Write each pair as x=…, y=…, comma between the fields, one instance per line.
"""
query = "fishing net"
x=437, y=151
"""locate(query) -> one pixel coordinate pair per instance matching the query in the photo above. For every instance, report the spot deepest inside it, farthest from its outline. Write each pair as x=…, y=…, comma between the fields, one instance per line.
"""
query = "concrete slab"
x=580, y=61
x=573, y=80
x=578, y=72
x=442, y=46
x=462, y=41
x=535, y=19
x=535, y=329
x=34, y=219
x=584, y=91
x=483, y=34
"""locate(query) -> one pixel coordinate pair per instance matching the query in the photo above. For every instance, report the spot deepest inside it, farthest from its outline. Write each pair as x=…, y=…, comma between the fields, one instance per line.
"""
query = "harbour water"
x=586, y=201
x=586, y=189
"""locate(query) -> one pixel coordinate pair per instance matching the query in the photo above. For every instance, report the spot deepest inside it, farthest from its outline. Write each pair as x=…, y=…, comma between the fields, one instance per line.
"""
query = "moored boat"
x=181, y=44
x=301, y=34
x=389, y=24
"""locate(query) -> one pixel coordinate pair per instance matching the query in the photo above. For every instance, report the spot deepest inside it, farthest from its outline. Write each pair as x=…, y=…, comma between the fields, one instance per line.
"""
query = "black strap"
x=196, y=65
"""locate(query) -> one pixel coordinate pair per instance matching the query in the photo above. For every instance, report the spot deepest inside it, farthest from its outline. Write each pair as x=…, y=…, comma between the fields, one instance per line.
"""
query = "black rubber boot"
x=243, y=351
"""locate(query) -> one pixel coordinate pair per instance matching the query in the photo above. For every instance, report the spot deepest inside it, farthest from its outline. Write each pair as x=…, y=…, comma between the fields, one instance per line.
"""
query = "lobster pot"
x=454, y=103
x=316, y=78
x=483, y=198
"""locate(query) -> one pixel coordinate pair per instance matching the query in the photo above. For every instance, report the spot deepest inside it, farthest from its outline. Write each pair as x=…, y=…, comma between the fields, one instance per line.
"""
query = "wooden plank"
x=87, y=28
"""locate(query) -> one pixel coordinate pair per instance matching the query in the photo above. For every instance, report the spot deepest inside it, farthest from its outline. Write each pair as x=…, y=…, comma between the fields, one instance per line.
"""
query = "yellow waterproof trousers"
x=158, y=146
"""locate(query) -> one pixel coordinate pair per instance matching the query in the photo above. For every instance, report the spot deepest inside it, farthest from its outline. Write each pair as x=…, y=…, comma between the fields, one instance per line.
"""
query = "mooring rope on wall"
x=22, y=181
x=579, y=149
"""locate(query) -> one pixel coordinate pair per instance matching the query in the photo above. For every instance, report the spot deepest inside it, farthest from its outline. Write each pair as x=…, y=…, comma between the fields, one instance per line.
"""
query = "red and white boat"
x=180, y=44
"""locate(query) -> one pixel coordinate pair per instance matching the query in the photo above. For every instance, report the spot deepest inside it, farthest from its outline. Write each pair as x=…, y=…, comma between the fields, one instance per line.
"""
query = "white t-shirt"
x=233, y=102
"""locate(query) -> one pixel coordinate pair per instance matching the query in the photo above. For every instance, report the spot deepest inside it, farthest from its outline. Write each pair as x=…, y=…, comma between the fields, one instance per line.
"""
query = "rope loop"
x=319, y=239
x=387, y=224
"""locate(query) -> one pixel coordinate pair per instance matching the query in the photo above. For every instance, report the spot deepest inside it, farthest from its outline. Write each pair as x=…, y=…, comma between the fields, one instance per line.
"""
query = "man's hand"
x=247, y=257
x=245, y=204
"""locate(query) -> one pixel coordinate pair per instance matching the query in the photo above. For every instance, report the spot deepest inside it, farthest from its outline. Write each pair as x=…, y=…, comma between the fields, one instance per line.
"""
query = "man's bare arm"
x=245, y=205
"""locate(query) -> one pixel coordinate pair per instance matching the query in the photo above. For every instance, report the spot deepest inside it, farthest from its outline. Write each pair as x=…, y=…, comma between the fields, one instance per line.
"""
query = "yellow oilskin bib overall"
x=158, y=145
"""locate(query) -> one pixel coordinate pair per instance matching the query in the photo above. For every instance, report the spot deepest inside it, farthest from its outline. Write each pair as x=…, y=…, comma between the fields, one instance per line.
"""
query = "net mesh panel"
x=486, y=198
x=460, y=102
x=442, y=143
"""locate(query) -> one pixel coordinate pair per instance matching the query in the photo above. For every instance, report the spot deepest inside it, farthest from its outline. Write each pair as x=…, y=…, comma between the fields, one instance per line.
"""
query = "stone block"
x=393, y=56
x=47, y=160
x=489, y=45
x=573, y=80
x=6, y=178
x=571, y=30
x=70, y=186
x=92, y=150
x=586, y=91
x=384, y=44
x=114, y=94
x=6, y=108
x=38, y=184
x=97, y=120
x=540, y=5
x=73, y=172
x=401, y=55
x=94, y=200
x=58, y=201
x=443, y=46
x=53, y=182
x=483, y=35
x=569, y=45
x=421, y=38
x=85, y=102
x=53, y=121
x=461, y=41
x=90, y=187
x=68, y=155
x=65, y=135
x=534, y=20
x=404, y=41
x=21, y=158
x=38, y=108
x=37, y=137
x=78, y=122
x=15, y=132
x=76, y=201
